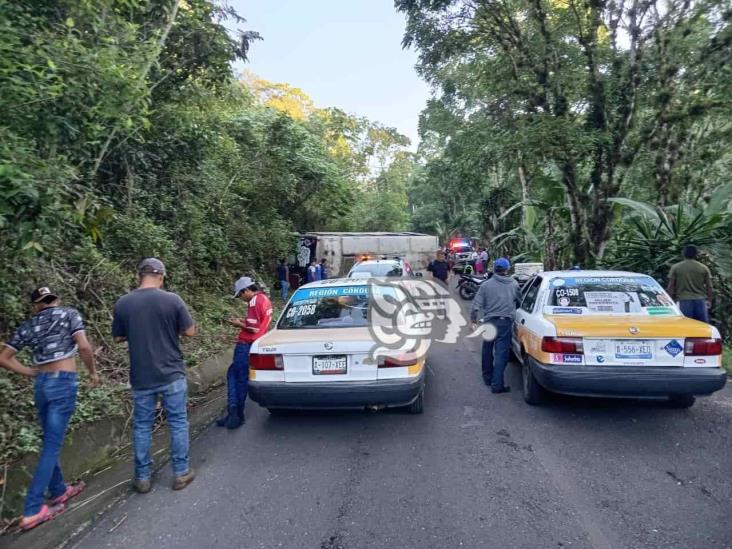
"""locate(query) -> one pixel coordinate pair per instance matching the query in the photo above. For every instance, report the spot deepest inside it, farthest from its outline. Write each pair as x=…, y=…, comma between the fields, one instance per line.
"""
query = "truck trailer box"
x=342, y=250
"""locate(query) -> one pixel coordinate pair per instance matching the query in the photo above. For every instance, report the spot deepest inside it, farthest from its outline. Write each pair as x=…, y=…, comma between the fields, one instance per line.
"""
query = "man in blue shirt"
x=322, y=270
x=440, y=268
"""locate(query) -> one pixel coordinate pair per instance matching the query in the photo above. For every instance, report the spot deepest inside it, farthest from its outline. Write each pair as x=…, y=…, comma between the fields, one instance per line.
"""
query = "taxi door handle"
x=523, y=321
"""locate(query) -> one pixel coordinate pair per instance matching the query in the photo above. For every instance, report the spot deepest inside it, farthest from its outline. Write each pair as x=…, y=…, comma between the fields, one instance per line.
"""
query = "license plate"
x=329, y=365
x=634, y=349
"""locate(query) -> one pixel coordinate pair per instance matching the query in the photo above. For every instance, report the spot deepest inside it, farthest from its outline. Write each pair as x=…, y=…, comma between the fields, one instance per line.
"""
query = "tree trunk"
x=550, y=245
x=524, y=190
x=575, y=201
x=143, y=78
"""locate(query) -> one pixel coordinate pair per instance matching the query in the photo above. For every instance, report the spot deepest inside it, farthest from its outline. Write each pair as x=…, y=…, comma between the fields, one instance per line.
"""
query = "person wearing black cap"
x=55, y=335
x=151, y=321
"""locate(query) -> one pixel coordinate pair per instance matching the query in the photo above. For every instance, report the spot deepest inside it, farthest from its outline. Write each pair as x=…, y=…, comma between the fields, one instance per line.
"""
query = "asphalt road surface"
x=475, y=470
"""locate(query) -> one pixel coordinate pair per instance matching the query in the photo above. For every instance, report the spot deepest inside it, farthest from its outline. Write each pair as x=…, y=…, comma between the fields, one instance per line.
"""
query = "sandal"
x=71, y=490
x=45, y=514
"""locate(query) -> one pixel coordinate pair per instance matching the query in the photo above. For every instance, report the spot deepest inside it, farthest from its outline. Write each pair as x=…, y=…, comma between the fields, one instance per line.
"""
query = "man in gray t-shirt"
x=496, y=303
x=151, y=320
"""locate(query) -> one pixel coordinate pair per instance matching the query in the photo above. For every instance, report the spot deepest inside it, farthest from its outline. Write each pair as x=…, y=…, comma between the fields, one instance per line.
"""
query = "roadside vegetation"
x=562, y=131
x=125, y=134
x=575, y=132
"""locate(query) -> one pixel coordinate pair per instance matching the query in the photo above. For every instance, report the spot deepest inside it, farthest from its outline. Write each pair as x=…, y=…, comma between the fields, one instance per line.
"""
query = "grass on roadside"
x=20, y=433
x=727, y=358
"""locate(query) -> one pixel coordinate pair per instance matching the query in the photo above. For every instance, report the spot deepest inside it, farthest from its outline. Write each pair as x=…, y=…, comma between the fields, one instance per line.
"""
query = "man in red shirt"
x=252, y=327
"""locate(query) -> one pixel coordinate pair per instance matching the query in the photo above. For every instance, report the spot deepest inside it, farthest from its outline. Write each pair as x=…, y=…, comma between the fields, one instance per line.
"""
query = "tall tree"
x=577, y=89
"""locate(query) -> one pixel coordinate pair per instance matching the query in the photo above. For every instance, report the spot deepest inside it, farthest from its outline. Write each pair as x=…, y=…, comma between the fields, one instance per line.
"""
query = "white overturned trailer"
x=342, y=250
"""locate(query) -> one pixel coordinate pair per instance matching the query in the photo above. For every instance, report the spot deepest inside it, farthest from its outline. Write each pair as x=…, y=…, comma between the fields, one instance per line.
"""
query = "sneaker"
x=235, y=420
x=71, y=490
x=45, y=514
x=184, y=480
x=230, y=419
x=142, y=486
x=498, y=390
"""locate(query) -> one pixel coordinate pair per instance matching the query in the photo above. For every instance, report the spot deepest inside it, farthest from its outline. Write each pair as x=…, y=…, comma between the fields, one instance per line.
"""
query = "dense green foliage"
x=553, y=119
x=554, y=125
x=561, y=106
x=125, y=134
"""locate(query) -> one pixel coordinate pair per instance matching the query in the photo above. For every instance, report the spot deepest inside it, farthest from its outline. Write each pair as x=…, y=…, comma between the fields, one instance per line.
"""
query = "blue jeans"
x=284, y=289
x=494, y=355
x=55, y=398
x=175, y=398
x=694, y=308
x=237, y=376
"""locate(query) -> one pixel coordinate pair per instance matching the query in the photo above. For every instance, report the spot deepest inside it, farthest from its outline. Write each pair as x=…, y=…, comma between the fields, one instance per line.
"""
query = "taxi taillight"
x=266, y=362
x=399, y=361
x=562, y=345
x=699, y=346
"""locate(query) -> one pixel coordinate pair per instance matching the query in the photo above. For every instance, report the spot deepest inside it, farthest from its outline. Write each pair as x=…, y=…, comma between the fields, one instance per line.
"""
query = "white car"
x=385, y=267
x=319, y=355
x=610, y=333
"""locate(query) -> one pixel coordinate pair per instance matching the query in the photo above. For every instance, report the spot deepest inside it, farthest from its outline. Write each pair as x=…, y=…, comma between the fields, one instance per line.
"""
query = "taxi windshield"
x=334, y=307
x=609, y=295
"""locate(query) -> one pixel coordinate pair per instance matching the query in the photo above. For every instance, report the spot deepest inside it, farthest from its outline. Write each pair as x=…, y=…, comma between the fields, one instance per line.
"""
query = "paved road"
x=476, y=470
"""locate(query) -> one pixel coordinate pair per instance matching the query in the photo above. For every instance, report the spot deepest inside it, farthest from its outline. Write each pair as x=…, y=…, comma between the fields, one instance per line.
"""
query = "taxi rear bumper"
x=339, y=394
x=627, y=381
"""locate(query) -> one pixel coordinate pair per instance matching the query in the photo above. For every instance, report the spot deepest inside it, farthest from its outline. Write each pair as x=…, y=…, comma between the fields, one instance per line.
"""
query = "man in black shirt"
x=439, y=268
x=151, y=320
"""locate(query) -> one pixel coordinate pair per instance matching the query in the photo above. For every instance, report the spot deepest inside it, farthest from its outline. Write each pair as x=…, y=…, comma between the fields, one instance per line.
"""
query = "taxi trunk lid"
x=319, y=355
x=624, y=326
x=632, y=340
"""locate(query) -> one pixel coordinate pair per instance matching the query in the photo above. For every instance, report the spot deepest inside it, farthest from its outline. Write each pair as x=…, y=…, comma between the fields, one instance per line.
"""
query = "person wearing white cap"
x=252, y=327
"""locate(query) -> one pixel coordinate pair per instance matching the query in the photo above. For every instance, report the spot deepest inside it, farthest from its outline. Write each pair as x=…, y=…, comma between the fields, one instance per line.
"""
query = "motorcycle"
x=469, y=284
x=464, y=267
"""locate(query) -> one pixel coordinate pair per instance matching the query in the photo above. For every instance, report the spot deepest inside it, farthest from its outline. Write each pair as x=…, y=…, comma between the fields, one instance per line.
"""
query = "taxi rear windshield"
x=340, y=307
x=610, y=295
x=378, y=269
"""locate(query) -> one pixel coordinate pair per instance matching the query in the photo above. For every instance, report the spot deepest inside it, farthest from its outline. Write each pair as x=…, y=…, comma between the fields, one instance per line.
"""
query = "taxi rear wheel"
x=417, y=406
x=533, y=392
x=681, y=401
